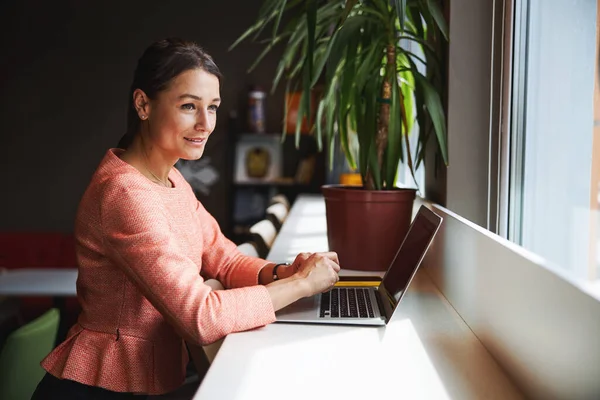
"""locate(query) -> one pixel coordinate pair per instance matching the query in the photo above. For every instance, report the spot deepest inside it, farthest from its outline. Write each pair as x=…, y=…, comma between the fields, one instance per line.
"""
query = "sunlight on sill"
x=307, y=225
x=592, y=288
x=357, y=352
x=311, y=208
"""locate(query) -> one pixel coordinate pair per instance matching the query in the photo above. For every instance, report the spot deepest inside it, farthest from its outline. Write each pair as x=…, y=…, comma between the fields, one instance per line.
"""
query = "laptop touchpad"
x=305, y=307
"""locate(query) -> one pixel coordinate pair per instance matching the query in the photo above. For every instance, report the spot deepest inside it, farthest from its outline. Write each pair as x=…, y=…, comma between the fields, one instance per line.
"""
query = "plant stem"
x=383, y=120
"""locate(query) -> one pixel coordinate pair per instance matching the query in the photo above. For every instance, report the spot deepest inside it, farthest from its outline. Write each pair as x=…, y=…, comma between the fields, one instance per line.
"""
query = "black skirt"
x=51, y=388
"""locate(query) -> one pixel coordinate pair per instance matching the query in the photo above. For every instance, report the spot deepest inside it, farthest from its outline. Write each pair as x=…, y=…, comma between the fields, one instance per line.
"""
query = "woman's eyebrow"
x=183, y=96
x=195, y=97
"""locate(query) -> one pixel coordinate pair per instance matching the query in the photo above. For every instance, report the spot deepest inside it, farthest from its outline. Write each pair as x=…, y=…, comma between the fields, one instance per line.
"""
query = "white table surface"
x=39, y=282
x=425, y=352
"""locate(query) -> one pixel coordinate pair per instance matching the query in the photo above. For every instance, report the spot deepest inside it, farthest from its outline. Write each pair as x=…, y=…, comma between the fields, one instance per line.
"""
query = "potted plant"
x=378, y=66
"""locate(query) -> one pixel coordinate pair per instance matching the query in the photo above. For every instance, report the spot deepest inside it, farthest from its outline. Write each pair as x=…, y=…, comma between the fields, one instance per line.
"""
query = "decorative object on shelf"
x=257, y=159
x=382, y=67
x=200, y=174
x=292, y=105
x=306, y=170
x=256, y=110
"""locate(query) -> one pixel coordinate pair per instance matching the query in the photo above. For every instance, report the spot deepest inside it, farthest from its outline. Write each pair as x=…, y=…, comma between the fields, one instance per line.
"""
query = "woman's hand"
x=286, y=271
x=318, y=270
x=309, y=274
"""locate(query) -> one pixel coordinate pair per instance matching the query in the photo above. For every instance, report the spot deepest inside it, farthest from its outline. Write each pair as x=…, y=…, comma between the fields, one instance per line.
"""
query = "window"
x=554, y=147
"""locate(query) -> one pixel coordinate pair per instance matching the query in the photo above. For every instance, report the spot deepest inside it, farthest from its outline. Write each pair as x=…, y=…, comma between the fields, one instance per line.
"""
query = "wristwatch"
x=275, y=276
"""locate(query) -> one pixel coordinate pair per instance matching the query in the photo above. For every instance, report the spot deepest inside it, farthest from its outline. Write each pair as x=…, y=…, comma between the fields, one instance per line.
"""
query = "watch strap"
x=275, y=276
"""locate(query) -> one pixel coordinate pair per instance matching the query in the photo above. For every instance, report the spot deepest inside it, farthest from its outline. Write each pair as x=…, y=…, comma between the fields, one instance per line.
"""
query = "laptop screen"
x=411, y=252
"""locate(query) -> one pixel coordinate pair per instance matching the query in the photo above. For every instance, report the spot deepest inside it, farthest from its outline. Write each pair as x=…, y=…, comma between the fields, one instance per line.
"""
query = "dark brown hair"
x=157, y=67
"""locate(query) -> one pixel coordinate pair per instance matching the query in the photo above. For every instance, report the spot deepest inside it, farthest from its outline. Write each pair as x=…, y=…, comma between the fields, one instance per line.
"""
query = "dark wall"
x=65, y=71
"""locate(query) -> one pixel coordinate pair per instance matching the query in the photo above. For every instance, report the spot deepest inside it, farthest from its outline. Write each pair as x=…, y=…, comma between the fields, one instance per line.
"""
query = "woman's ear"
x=141, y=104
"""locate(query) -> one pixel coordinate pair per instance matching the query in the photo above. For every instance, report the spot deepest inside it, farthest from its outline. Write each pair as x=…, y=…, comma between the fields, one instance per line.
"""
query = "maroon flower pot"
x=366, y=227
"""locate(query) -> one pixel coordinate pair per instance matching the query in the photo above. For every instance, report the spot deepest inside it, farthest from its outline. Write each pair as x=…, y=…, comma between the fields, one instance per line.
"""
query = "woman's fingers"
x=302, y=257
x=332, y=259
x=332, y=255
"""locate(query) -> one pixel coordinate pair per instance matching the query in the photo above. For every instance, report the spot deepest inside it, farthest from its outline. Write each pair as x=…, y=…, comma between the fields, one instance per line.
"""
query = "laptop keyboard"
x=346, y=303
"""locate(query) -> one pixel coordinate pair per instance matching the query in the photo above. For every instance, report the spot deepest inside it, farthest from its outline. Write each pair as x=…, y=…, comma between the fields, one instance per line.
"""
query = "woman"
x=145, y=245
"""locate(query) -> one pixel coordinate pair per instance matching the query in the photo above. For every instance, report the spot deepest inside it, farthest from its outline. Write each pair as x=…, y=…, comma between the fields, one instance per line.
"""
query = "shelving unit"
x=251, y=195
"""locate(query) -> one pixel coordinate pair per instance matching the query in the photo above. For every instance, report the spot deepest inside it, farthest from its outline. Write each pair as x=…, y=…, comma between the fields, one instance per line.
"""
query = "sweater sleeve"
x=221, y=259
x=137, y=233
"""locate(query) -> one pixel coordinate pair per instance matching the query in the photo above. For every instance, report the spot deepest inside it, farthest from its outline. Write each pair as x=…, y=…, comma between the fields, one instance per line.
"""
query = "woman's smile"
x=196, y=141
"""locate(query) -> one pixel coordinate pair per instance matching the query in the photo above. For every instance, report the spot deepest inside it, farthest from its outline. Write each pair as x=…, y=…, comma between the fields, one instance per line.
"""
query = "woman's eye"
x=188, y=106
x=213, y=108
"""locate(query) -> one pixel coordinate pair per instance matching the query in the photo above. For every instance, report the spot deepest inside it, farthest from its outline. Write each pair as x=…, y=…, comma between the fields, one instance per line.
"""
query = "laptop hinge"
x=389, y=303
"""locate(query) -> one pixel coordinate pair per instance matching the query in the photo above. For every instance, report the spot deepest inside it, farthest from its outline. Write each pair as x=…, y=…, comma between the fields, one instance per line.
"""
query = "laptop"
x=370, y=305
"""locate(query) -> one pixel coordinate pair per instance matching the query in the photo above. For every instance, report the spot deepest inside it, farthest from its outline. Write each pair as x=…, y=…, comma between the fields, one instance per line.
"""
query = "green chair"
x=24, y=349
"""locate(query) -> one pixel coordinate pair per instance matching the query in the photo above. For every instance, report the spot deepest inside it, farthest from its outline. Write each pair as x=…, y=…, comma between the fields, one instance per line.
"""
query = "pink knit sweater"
x=144, y=252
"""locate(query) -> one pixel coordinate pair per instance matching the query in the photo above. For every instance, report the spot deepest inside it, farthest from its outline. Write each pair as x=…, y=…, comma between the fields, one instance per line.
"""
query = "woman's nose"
x=202, y=121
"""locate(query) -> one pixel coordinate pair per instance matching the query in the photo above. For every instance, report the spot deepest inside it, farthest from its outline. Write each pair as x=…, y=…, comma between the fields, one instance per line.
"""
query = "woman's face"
x=181, y=118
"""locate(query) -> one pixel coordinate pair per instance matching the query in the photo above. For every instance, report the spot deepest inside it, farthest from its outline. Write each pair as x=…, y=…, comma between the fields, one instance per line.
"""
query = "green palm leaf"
x=401, y=12
x=438, y=16
x=278, y=17
x=436, y=112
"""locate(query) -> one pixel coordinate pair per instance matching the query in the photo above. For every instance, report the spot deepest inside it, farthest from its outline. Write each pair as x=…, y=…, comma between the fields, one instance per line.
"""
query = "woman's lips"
x=196, y=141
